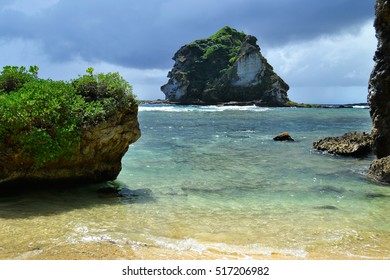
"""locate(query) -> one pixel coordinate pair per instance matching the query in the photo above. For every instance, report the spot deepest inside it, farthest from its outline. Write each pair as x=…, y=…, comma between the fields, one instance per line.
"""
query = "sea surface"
x=210, y=183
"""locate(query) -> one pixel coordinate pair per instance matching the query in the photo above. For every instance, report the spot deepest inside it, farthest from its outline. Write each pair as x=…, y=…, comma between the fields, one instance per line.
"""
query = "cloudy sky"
x=322, y=49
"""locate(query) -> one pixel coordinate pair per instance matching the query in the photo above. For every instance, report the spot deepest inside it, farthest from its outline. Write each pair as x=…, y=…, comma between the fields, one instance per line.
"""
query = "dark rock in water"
x=328, y=190
x=327, y=207
x=283, y=137
x=376, y=195
x=379, y=95
x=349, y=144
x=138, y=195
x=228, y=66
x=380, y=170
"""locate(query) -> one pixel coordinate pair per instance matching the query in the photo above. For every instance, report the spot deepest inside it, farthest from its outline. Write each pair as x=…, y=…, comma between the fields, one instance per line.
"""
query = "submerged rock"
x=283, y=137
x=349, y=144
x=376, y=195
x=327, y=189
x=228, y=66
x=379, y=94
x=326, y=207
x=136, y=196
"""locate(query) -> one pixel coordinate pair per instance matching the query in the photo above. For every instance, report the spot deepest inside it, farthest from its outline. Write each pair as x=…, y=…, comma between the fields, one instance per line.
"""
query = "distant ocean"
x=210, y=183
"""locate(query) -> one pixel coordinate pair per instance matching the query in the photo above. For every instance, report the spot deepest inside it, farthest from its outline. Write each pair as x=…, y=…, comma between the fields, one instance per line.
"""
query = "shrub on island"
x=42, y=119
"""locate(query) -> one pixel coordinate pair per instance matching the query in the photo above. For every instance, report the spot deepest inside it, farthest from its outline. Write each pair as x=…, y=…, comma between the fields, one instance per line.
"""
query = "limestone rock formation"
x=228, y=66
x=97, y=159
x=379, y=93
x=349, y=144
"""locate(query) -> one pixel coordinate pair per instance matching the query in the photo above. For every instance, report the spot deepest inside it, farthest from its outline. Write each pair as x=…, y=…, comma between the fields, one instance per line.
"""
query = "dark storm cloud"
x=145, y=34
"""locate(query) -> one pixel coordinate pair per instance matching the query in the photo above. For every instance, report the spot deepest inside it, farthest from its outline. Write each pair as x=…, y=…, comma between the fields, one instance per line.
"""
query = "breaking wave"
x=194, y=108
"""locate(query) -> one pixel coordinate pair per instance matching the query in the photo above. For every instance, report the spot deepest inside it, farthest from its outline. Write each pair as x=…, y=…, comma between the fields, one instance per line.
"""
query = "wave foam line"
x=180, y=108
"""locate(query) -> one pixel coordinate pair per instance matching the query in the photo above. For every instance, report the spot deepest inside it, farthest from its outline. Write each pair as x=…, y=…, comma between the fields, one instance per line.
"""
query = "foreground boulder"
x=379, y=94
x=228, y=66
x=97, y=159
x=74, y=131
x=349, y=144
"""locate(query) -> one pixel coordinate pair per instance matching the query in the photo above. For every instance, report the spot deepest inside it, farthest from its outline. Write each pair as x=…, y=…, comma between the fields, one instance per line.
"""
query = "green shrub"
x=43, y=118
x=107, y=92
x=12, y=78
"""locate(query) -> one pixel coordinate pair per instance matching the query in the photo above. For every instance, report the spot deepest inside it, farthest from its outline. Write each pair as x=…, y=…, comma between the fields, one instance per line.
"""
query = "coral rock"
x=97, y=159
x=349, y=144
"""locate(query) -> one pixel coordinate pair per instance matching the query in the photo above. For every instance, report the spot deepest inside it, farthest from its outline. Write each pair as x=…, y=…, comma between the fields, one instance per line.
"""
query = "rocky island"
x=56, y=131
x=226, y=67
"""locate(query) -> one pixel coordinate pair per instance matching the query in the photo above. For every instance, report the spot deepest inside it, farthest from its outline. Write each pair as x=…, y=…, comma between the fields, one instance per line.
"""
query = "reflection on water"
x=212, y=184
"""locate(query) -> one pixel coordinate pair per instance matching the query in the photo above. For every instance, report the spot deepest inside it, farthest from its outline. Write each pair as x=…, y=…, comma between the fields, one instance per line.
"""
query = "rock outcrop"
x=228, y=66
x=380, y=170
x=96, y=159
x=349, y=144
x=283, y=137
x=379, y=94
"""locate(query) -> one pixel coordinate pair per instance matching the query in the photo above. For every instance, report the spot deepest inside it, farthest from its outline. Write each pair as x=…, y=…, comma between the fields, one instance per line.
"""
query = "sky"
x=323, y=49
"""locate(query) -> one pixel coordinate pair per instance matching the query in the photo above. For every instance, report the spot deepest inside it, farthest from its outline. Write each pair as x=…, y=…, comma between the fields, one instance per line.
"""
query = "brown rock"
x=349, y=144
x=97, y=159
x=380, y=170
x=283, y=137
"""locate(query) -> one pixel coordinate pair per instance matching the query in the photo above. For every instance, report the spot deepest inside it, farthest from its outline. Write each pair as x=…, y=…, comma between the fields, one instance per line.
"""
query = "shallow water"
x=209, y=182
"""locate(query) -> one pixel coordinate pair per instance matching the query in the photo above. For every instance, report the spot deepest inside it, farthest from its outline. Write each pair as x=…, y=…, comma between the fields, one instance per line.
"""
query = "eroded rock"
x=380, y=170
x=96, y=159
x=350, y=144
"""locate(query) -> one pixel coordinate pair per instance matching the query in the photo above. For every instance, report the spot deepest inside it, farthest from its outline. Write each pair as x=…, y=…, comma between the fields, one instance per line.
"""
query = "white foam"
x=190, y=108
x=361, y=107
x=245, y=251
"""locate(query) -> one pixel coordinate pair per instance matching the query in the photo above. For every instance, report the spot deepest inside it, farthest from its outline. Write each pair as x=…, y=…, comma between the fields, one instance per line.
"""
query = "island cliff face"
x=96, y=159
x=379, y=95
x=226, y=67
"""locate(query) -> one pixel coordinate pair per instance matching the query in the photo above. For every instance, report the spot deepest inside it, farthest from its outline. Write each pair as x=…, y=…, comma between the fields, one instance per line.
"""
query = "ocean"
x=208, y=182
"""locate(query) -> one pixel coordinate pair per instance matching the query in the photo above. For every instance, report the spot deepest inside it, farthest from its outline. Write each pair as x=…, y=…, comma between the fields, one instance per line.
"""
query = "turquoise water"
x=209, y=182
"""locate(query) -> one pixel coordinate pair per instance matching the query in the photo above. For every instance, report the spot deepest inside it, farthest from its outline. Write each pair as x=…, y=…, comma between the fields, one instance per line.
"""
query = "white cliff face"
x=248, y=69
x=174, y=89
x=278, y=95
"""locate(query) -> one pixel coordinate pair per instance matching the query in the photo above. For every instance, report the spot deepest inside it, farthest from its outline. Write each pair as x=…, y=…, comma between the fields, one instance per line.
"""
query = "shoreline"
x=113, y=251
x=256, y=103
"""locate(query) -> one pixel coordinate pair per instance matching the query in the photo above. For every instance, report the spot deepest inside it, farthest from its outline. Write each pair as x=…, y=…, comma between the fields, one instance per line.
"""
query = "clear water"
x=209, y=182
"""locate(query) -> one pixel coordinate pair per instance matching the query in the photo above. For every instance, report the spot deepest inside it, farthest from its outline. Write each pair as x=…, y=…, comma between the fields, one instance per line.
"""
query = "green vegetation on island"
x=42, y=119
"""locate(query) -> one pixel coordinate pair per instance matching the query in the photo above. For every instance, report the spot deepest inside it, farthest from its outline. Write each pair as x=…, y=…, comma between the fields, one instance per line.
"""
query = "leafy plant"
x=12, y=78
x=109, y=93
x=43, y=118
